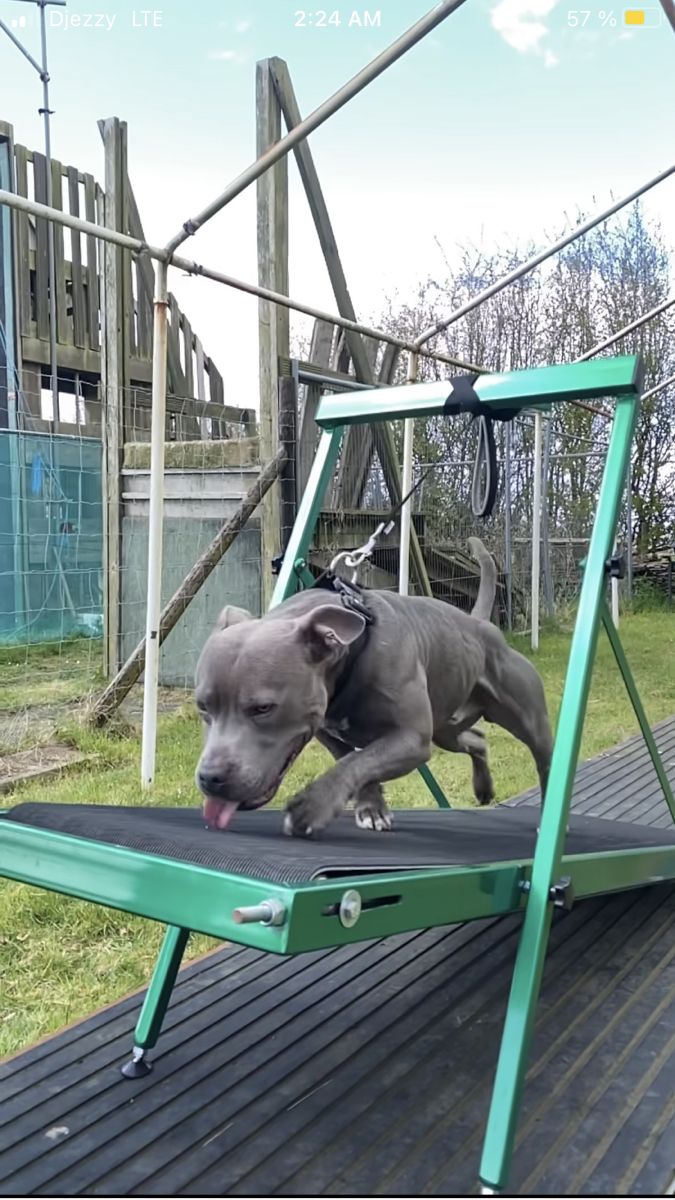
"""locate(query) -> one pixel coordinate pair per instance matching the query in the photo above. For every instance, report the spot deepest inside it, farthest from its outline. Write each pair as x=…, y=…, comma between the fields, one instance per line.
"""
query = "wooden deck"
x=367, y=1070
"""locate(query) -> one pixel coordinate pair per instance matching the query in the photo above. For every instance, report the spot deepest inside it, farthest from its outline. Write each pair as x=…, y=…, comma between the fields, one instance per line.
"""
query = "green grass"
x=51, y=674
x=61, y=959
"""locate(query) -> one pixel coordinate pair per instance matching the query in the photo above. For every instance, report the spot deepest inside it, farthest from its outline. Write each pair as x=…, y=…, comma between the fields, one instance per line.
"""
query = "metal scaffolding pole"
x=537, y=259
x=321, y=114
x=45, y=112
x=190, y=267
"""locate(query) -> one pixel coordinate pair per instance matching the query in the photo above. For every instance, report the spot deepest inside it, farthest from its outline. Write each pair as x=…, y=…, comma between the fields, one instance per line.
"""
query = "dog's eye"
x=261, y=710
x=203, y=711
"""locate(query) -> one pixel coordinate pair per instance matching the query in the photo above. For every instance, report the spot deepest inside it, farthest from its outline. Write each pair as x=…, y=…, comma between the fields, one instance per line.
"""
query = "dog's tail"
x=487, y=590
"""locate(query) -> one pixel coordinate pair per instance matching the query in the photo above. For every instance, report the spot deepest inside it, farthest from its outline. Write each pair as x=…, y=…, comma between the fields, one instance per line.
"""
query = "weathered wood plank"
x=63, y=323
x=145, y=281
x=273, y=321
x=204, y=423
x=288, y=440
x=382, y=434
x=77, y=277
x=71, y=358
x=42, y=249
x=146, y=276
x=22, y=241
x=356, y=464
x=319, y=353
x=176, y=374
x=114, y=380
x=357, y=440
x=93, y=299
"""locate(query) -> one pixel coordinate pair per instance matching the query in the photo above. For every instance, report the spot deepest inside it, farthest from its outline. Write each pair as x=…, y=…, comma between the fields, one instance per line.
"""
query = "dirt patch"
x=36, y=762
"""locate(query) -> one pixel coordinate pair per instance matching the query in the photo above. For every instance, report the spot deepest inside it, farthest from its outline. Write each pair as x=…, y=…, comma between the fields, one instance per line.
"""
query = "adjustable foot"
x=488, y=1191
x=138, y=1065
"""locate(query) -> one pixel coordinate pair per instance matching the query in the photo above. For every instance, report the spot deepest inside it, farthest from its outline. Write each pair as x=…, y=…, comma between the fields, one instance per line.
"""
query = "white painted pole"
x=615, y=596
x=536, y=528
x=154, y=602
x=406, y=484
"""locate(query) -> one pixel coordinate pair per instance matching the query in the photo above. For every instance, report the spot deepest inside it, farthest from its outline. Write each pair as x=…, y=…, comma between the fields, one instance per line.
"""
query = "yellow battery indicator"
x=649, y=17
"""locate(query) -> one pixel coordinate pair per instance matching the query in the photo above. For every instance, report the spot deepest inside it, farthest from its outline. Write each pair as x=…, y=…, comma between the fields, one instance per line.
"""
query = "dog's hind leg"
x=370, y=806
x=471, y=742
x=527, y=720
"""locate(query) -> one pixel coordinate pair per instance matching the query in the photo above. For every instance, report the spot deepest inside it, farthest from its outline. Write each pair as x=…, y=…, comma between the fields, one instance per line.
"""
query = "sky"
x=507, y=119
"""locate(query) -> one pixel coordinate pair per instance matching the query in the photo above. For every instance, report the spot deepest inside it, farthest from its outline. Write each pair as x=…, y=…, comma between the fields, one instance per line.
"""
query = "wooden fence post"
x=273, y=322
x=116, y=303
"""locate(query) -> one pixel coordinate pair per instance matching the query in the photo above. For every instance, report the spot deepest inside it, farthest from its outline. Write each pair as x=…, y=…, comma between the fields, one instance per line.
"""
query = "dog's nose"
x=211, y=782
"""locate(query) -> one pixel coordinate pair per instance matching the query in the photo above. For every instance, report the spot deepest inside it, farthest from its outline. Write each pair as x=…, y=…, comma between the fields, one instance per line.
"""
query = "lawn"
x=61, y=959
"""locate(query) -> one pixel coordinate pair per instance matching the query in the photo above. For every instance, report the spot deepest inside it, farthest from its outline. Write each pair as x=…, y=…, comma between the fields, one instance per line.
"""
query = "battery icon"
x=649, y=17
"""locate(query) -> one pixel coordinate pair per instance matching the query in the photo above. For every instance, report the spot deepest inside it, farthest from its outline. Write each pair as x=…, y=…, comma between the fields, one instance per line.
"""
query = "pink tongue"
x=218, y=813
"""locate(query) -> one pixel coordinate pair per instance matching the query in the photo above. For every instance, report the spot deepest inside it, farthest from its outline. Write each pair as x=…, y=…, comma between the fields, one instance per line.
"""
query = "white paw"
x=367, y=819
x=288, y=827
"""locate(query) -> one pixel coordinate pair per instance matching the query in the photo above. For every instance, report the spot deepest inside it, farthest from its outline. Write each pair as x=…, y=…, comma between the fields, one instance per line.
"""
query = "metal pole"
x=406, y=485
x=669, y=9
x=45, y=112
x=330, y=106
x=658, y=388
x=546, y=549
x=189, y=267
x=508, y=547
x=614, y=590
x=536, y=529
x=154, y=603
x=539, y=258
x=630, y=328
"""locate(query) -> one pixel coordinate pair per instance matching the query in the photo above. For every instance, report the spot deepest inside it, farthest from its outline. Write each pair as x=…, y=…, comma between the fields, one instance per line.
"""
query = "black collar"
x=352, y=597
x=350, y=594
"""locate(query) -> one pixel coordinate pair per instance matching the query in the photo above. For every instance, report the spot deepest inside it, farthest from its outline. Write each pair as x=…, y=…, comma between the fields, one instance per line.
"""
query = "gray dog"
x=376, y=695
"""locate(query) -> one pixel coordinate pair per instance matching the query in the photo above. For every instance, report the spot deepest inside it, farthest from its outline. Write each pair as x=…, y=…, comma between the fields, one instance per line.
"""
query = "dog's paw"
x=307, y=813
x=289, y=829
x=378, y=819
x=485, y=796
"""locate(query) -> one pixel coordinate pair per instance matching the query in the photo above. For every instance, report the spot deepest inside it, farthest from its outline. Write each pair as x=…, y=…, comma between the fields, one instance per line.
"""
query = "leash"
x=484, y=484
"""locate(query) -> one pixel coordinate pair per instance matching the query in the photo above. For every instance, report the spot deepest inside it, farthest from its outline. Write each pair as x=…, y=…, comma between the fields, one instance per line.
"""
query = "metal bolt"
x=268, y=912
x=350, y=908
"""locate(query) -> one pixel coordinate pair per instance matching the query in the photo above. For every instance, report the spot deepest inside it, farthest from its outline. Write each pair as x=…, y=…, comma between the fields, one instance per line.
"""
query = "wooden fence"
x=196, y=407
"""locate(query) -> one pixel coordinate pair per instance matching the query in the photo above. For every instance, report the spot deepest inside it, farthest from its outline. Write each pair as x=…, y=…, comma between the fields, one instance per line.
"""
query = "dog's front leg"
x=388, y=757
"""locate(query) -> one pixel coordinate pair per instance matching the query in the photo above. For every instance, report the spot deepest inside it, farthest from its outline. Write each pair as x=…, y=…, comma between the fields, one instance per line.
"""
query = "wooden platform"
x=367, y=1070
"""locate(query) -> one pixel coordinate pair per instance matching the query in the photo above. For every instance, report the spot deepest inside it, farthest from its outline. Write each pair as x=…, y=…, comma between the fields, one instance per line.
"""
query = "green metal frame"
x=188, y=897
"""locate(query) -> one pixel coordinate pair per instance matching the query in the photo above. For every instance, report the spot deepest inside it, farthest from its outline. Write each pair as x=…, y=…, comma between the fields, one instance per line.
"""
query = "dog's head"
x=261, y=690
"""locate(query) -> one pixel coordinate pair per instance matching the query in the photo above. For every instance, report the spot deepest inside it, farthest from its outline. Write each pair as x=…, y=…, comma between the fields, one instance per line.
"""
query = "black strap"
x=350, y=594
x=465, y=399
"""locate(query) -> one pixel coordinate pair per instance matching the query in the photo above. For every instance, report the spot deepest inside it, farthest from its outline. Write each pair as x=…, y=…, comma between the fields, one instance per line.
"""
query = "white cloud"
x=521, y=23
x=243, y=26
x=233, y=56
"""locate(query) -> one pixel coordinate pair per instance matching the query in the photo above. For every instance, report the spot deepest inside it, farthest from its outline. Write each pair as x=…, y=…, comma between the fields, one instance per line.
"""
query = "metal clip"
x=356, y=558
x=615, y=566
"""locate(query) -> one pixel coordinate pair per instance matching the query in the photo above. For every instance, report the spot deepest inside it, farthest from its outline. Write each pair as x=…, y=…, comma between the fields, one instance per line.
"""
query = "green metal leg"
x=434, y=786
x=623, y=665
x=520, y=1014
x=157, y=999
x=308, y=513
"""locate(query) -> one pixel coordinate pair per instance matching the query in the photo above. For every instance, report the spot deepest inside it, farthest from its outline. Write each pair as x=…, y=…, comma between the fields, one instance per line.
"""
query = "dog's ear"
x=329, y=630
x=231, y=615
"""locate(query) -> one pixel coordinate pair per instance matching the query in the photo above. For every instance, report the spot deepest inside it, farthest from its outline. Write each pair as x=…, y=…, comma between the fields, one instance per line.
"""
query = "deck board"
x=367, y=1070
